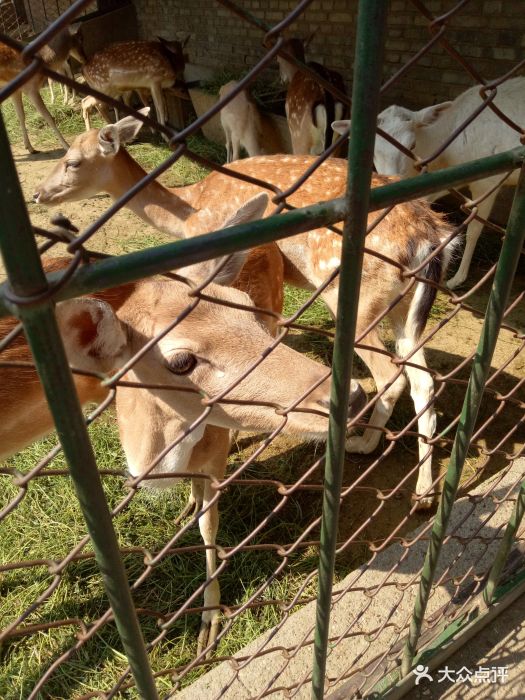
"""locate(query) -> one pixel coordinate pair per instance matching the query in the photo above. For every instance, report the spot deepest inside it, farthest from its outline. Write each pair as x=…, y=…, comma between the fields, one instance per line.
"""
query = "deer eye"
x=182, y=363
x=72, y=164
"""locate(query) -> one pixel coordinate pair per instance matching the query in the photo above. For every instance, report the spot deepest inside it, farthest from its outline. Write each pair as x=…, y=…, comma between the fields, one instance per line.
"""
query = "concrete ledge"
x=373, y=605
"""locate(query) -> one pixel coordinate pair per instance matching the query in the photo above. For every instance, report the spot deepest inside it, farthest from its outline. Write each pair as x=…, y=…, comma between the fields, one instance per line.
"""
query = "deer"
x=424, y=130
x=137, y=65
x=204, y=353
x=245, y=125
x=98, y=162
x=310, y=108
x=54, y=55
x=66, y=44
x=91, y=103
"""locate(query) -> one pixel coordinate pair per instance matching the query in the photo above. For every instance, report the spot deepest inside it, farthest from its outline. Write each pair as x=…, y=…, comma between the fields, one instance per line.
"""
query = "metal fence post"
x=505, y=546
x=497, y=302
x=371, y=26
x=27, y=279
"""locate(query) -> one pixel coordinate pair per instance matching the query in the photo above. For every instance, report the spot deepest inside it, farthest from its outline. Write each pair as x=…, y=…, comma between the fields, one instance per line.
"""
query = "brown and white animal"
x=97, y=162
x=66, y=44
x=423, y=131
x=90, y=104
x=310, y=108
x=245, y=125
x=54, y=54
x=206, y=351
x=137, y=65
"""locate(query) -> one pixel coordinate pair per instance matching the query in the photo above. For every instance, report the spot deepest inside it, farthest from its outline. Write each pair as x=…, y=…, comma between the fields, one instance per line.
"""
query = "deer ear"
x=428, y=115
x=340, y=126
x=124, y=131
x=251, y=210
x=94, y=338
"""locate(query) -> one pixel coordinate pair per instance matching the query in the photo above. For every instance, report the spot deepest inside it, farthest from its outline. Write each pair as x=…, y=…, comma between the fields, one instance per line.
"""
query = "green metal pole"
x=365, y=100
x=134, y=266
x=27, y=279
x=505, y=546
x=498, y=300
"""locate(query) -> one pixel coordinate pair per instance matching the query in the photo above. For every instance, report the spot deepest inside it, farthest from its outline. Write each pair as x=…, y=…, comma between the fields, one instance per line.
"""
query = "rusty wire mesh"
x=276, y=482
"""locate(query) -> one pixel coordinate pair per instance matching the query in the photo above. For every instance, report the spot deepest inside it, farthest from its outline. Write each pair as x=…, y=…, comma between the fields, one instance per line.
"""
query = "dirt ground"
x=445, y=351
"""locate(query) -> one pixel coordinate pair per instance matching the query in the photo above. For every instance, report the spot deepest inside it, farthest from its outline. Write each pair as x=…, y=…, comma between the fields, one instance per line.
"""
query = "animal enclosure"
x=370, y=514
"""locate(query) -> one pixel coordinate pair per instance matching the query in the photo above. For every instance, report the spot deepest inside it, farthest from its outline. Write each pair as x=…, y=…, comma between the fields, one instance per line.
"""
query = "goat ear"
x=94, y=338
x=428, y=115
x=341, y=125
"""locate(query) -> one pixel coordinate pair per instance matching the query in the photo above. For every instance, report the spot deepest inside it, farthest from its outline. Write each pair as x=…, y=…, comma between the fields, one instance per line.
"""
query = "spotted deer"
x=408, y=235
x=55, y=54
x=245, y=125
x=310, y=108
x=137, y=65
x=204, y=353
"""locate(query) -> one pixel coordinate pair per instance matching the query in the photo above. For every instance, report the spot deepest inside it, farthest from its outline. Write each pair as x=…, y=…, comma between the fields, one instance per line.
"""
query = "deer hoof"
x=208, y=633
x=423, y=502
x=455, y=282
x=359, y=445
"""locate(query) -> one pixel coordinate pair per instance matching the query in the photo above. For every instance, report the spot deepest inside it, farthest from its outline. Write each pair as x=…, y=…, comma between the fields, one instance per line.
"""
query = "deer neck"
x=162, y=208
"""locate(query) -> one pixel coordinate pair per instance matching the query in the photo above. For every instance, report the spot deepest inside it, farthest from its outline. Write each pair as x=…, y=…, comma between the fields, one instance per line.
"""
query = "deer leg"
x=318, y=131
x=236, y=149
x=71, y=99
x=51, y=91
x=160, y=106
x=210, y=456
x=422, y=393
x=383, y=372
x=36, y=99
x=474, y=229
x=20, y=115
x=389, y=389
x=194, y=503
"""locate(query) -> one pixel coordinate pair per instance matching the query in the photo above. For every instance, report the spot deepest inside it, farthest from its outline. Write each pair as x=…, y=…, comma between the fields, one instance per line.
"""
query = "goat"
x=423, y=131
x=244, y=124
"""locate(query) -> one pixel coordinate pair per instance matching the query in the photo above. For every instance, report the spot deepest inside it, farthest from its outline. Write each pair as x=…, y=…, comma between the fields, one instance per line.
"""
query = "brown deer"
x=55, y=54
x=408, y=235
x=137, y=65
x=205, y=352
x=244, y=124
x=310, y=108
x=65, y=45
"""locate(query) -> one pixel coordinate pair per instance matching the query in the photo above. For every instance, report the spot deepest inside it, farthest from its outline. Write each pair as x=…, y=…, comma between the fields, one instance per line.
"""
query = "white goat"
x=245, y=125
x=423, y=131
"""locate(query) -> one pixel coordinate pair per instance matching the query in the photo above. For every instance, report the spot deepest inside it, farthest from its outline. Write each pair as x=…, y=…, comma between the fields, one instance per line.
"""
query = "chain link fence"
x=308, y=531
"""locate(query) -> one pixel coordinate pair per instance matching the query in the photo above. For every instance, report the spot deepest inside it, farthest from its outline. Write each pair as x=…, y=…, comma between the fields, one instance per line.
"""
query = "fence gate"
x=302, y=525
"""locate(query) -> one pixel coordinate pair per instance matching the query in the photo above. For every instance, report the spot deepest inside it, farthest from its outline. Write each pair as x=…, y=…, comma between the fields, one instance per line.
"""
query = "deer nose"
x=356, y=401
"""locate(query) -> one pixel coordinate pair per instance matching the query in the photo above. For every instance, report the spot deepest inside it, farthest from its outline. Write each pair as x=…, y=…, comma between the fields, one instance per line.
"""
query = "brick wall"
x=489, y=33
x=41, y=12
